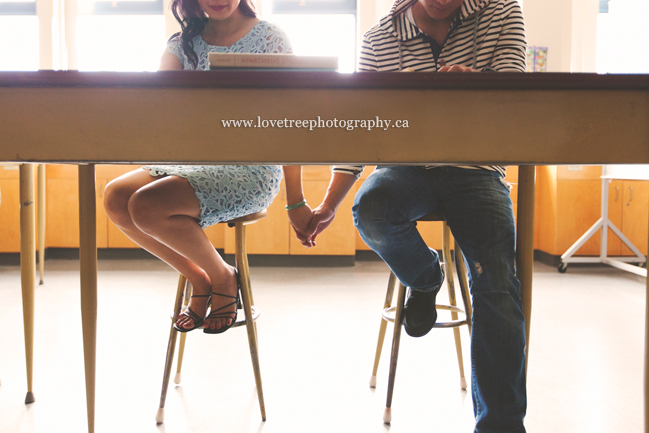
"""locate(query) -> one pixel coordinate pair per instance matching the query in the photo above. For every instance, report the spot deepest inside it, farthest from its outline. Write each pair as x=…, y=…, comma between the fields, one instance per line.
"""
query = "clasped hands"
x=309, y=223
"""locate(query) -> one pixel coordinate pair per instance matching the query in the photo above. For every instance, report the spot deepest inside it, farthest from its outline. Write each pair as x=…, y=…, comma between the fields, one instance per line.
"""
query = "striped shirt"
x=486, y=35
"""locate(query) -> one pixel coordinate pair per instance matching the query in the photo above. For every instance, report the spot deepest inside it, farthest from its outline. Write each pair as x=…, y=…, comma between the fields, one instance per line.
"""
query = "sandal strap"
x=201, y=296
x=192, y=315
x=217, y=314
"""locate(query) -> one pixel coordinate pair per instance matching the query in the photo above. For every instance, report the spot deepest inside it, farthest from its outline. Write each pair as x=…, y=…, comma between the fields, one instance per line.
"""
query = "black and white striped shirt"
x=486, y=35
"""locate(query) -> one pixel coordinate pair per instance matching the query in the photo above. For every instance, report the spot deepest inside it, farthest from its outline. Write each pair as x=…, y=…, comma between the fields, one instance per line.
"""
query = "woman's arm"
x=169, y=62
x=299, y=216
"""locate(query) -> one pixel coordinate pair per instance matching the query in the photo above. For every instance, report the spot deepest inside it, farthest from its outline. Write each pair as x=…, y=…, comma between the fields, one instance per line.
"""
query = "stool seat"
x=247, y=219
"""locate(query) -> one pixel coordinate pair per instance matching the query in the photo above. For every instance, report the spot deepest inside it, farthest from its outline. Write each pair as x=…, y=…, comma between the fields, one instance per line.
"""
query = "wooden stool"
x=395, y=313
x=250, y=316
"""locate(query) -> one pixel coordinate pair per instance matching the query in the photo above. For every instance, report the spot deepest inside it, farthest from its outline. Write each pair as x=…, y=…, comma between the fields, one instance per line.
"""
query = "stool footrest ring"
x=241, y=320
x=389, y=313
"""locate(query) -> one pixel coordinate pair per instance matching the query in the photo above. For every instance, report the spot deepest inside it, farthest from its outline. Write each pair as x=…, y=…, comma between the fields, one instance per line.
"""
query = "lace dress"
x=226, y=192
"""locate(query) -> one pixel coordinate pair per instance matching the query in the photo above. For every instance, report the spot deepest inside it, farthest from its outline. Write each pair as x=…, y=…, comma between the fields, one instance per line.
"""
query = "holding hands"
x=306, y=222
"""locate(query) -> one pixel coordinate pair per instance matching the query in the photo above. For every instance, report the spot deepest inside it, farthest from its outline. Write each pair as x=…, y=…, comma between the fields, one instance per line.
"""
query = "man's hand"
x=455, y=68
x=300, y=219
x=322, y=217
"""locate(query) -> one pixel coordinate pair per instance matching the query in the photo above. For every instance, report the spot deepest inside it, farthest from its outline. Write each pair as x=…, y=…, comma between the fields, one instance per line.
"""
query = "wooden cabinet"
x=62, y=208
x=635, y=215
x=9, y=209
x=569, y=203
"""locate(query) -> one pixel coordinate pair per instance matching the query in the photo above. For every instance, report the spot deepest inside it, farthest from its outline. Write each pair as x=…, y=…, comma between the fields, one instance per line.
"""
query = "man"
x=448, y=36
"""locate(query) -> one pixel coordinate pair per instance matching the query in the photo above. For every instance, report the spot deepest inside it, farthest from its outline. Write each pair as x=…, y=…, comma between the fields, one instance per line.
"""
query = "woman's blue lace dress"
x=226, y=192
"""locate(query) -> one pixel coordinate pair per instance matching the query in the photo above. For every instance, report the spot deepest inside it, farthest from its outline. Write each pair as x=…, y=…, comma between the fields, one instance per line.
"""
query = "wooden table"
x=175, y=117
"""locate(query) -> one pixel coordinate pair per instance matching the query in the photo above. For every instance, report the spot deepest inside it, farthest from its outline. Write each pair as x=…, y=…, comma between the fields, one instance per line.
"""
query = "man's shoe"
x=420, y=314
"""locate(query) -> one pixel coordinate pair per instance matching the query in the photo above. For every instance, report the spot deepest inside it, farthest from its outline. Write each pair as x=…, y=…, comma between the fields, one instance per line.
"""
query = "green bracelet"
x=296, y=205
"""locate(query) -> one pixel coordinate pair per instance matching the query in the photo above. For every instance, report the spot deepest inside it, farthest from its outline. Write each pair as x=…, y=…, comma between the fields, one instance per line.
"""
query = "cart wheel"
x=562, y=268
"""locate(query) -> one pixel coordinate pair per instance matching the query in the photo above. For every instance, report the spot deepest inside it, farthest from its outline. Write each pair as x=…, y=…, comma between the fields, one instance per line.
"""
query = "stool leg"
x=450, y=282
x=183, y=336
x=462, y=274
x=384, y=324
x=240, y=251
x=398, y=320
x=170, y=349
x=245, y=270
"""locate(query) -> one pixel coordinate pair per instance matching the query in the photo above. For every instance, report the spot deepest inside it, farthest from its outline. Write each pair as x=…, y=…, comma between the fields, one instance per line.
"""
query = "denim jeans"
x=478, y=209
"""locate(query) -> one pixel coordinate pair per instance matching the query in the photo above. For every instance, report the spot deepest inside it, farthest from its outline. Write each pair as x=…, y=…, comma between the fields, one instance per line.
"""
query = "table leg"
x=88, y=264
x=646, y=361
x=525, y=244
x=41, y=221
x=28, y=268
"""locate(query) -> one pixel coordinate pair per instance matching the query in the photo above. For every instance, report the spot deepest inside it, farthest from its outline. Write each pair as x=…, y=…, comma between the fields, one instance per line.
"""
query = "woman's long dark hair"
x=192, y=21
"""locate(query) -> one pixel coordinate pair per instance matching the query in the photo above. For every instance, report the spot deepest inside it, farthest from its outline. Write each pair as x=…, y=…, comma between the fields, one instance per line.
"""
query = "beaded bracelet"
x=296, y=205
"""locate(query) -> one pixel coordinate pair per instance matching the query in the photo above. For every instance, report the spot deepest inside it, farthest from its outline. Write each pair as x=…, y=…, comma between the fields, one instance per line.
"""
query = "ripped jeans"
x=478, y=209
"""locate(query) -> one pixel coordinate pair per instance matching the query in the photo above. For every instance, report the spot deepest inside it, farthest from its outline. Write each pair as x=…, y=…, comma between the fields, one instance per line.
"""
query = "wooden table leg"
x=41, y=221
x=525, y=244
x=646, y=361
x=88, y=264
x=28, y=268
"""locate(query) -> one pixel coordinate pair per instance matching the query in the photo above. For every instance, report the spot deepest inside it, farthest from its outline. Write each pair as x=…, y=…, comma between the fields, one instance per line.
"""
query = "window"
x=622, y=35
x=127, y=35
x=19, y=25
x=318, y=27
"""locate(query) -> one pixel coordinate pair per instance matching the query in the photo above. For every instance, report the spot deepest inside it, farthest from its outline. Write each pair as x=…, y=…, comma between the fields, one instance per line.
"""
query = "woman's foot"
x=198, y=305
x=225, y=305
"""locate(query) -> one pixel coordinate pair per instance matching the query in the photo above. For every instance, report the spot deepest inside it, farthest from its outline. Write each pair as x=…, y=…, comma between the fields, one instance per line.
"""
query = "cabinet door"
x=10, y=207
x=10, y=215
x=578, y=207
x=267, y=236
x=62, y=214
x=339, y=237
x=635, y=214
x=615, y=195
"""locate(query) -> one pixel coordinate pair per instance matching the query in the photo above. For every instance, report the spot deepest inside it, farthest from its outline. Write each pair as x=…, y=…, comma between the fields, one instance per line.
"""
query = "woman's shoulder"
x=277, y=41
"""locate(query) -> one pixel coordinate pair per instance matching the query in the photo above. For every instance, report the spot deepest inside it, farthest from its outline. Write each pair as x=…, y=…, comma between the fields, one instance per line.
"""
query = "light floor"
x=317, y=335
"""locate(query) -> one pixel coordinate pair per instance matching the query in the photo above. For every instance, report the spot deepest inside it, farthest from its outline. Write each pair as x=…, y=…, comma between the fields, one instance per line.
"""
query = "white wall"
x=568, y=28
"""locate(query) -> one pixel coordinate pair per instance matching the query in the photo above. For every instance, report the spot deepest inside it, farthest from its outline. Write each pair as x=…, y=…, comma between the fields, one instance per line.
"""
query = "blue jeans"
x=478, y=209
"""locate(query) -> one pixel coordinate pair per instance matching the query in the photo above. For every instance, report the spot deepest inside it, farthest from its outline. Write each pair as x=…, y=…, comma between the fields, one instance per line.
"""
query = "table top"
x=178, y=117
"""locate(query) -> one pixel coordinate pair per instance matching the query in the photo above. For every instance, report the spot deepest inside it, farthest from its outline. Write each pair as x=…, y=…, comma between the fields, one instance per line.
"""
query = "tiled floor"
x=317, y=335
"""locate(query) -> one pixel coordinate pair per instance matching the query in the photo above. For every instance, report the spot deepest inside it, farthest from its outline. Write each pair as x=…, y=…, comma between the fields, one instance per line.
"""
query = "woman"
x=164, y=208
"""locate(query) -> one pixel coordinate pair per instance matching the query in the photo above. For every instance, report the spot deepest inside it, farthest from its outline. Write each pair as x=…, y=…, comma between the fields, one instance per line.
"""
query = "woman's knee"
x=116, y=198
x=143, y=207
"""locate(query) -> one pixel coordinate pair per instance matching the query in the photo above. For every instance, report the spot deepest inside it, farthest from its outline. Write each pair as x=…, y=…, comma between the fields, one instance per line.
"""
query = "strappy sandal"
x=188, y=312
x=217, y=314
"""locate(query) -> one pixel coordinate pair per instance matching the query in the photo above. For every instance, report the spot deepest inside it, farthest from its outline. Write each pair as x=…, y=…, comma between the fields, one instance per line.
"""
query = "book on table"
x=271, y=62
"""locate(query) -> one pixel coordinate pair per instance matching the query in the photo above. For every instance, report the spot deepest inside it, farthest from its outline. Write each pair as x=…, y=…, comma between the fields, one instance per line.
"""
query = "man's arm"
x=510, y=52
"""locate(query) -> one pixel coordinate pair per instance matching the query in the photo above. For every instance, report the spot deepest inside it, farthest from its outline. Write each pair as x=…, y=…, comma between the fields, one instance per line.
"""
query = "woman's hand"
x=300, y=219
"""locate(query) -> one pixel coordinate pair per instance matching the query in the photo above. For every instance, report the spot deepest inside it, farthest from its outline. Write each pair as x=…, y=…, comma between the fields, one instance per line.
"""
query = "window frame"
x=18, y=8
x=315, y=7
x=104, y=7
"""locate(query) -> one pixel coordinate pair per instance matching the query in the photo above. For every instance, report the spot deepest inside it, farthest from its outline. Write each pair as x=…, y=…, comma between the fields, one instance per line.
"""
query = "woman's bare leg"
x=160, y=215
